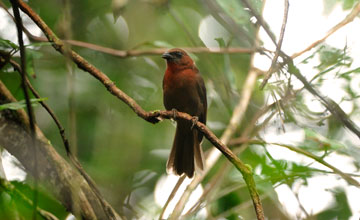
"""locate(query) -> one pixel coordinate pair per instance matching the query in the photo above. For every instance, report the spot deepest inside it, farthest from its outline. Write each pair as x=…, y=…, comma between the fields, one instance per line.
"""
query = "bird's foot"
x=194, y=120
x=154, y=117
x=175, y=113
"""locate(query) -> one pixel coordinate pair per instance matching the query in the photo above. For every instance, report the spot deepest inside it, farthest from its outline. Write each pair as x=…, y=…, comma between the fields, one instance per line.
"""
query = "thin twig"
x=292, y=69
x=278, y=46
x=171, y=196
x=302, y=208
x=215, y=181
x=61, y=129
x=30, y=111
x=155, y=51
x=349, y=18
x=260, y=20
x=143, y=52
x=330, y=104
x=237, y=31
x=320, y=160
x=46, y=107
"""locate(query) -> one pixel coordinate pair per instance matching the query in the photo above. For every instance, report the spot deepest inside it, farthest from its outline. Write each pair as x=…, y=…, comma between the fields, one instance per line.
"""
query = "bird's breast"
x=180, y=92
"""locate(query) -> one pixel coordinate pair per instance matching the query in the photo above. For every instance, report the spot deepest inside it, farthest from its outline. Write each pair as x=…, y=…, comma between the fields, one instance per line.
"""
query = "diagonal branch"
x=152, y=117
x=330, y=104
x=320, y=160
x=349, y=18
x=346, y=176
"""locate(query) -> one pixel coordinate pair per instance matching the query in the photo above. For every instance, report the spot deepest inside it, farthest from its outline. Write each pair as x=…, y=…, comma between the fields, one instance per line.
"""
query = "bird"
x=184, y=91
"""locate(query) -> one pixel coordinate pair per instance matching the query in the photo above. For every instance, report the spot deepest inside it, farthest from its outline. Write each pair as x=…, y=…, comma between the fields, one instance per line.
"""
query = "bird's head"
x=178, y=57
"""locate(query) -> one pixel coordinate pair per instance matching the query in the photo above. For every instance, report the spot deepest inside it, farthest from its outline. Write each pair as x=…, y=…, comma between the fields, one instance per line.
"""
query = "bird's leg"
x=175, y=113
x=194, y=120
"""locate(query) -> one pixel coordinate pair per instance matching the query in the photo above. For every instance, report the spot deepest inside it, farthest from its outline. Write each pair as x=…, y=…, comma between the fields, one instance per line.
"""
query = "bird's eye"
x=178, y=54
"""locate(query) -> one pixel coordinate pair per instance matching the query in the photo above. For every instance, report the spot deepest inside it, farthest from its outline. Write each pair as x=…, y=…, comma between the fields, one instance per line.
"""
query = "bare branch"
x=278, y=46
x=349, y=18
x=153, y=51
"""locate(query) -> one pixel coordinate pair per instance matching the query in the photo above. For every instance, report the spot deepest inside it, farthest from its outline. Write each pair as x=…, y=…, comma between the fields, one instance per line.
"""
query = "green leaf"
x=347, y=73
x=333, y=56
x=6, y=44
x=20, y=104
x=339, y=209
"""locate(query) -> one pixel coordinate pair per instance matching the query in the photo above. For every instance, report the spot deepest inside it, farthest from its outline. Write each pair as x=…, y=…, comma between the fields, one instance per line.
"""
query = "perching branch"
x=250, y=130
x=152, y=117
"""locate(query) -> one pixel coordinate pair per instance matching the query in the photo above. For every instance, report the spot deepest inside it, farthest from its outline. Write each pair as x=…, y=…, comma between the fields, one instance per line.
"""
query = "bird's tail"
x=186, y=153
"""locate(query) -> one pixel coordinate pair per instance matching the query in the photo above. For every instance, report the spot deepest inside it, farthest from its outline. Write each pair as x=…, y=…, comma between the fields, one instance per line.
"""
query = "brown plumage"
x=184, y=90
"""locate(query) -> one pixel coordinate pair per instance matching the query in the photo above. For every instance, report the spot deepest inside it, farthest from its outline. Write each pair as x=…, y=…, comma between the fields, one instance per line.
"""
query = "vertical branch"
x=30, y=111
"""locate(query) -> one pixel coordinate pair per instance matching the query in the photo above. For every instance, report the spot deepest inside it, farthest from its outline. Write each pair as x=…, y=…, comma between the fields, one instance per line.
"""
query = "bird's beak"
x=167, y=56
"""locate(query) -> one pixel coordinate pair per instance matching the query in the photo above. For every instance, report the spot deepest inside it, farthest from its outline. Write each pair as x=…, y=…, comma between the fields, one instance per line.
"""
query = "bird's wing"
x=201, y=89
